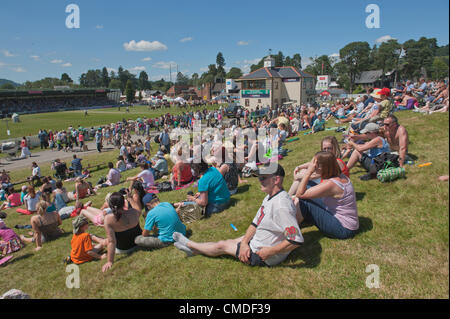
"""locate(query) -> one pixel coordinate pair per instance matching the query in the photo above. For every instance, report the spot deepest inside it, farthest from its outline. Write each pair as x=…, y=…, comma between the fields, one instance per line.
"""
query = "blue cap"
x=148, y=198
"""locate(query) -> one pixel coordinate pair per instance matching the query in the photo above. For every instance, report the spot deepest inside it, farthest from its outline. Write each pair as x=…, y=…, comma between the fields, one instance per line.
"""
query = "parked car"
x=231, y=109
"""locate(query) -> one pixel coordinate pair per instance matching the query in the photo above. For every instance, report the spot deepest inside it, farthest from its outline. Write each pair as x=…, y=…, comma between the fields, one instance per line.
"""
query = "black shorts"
x=255, y=260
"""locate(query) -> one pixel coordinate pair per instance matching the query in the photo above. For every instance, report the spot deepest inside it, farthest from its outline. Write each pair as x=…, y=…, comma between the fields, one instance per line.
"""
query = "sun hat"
x=78, y=222
x=369, y=128
x=376, y=93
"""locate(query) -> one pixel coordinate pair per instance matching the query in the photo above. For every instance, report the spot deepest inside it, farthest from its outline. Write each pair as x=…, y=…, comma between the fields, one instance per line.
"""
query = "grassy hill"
x=404, y=231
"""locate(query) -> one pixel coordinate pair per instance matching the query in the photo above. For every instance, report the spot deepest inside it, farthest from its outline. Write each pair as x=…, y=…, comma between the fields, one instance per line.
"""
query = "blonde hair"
x=42, y=207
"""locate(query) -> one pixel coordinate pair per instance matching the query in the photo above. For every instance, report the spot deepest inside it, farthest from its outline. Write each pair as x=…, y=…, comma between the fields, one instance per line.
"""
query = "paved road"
x=45, y=157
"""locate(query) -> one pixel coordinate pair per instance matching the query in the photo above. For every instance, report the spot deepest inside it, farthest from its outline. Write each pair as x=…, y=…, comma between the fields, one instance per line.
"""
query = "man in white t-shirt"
x=272, y=235
x=146, y=176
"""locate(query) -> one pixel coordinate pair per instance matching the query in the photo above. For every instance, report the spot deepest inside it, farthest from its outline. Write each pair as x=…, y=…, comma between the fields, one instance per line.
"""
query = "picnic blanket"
x=184, y=186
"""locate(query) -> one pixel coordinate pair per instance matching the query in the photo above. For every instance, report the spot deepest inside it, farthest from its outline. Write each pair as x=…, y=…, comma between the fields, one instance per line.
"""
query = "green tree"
x=355, y=59
x=130, y=91
x=297, y=61
x=439, y=68
x=66, y=78
x=419, y=54
x=315, y=68
x=234, y=73
x=279, y=59
x=387, y=56
x=220, y=60
x=143, y=82
x=115, y=84
x=182, y=79
x=194, y=79
x=7, y=86
x=105, y=77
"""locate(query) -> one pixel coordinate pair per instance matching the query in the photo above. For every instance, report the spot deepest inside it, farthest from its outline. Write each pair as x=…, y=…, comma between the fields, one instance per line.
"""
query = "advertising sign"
x=255, y=93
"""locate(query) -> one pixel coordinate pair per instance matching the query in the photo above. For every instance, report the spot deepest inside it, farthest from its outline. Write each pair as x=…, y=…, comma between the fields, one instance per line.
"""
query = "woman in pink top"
x=337, y=215
x=13, y=200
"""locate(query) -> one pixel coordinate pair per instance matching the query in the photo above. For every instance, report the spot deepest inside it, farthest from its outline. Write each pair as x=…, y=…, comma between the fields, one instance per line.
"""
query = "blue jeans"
x=313, y=212
x=213, y=208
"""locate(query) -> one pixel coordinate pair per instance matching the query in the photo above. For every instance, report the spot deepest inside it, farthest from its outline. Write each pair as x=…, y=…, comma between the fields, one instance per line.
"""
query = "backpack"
x=386, y=160
x=191, y=212
x=165, y=186
x=156, y=139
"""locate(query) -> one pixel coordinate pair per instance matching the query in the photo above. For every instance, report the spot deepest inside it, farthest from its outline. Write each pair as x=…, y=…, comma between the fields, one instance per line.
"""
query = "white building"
x=271, y=86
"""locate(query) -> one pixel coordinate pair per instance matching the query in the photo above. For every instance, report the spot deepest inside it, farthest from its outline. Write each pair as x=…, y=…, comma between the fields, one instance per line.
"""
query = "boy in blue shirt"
x=163, y=220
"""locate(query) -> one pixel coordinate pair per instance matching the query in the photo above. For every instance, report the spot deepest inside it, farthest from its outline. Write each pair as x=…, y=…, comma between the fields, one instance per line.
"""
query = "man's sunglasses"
x=263, y=178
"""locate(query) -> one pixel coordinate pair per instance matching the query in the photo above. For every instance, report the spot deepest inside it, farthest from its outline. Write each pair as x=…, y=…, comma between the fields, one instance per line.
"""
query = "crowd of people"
x=322, y=193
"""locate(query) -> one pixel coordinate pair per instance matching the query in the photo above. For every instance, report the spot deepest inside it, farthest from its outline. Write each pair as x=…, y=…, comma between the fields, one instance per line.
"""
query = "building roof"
x=369, y=76
x=277, y=72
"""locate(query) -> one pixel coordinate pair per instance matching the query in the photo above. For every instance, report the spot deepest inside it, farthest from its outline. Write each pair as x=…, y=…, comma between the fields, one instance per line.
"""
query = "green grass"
x=404, y=230
x=31, y=124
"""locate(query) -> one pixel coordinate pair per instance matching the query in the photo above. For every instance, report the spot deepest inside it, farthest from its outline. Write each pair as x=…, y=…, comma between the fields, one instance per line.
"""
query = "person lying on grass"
x=272, y=235
x=336, y=214
x=81, y=243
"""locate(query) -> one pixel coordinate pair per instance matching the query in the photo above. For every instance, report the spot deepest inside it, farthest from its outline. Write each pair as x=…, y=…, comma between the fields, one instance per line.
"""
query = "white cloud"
x=99, y=27
x=186, y=39
x=8, y=54
x=35, y=57
x=242, y=43
x=204, y=69
x=137, y=69
x=146, y=59
x=19, y=69
x=66, y=65
x=246, y=64
x=165, y=65
x=2, y=64
x=56, y=61
x=111, y=69
x=384, y=38
x=144, y=46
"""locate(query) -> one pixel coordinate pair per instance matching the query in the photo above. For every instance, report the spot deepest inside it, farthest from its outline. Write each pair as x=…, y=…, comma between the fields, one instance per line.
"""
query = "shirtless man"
x=397, y=137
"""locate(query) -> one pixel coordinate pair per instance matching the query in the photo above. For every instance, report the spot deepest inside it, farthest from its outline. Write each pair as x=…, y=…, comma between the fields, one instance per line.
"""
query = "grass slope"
x=404, y=230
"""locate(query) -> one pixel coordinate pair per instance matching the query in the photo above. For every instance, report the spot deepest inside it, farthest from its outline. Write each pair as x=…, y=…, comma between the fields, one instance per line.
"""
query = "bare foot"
x=443, y=178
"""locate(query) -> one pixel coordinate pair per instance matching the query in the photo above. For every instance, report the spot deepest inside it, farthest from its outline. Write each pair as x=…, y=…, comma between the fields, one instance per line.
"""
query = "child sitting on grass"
x=82, y=250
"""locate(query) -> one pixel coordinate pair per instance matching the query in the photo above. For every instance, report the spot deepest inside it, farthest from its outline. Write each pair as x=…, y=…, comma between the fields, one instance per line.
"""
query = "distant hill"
x=3, y=81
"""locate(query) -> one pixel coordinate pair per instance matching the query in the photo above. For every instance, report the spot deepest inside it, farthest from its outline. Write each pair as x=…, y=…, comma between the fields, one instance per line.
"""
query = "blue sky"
x=151, y=35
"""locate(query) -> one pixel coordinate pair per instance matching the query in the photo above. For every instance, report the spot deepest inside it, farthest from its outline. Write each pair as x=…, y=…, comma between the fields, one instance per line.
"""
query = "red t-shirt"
x=14, y=200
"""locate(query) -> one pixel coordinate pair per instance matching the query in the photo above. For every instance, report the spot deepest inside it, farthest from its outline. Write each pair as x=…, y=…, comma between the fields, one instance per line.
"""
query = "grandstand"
x=39, y=101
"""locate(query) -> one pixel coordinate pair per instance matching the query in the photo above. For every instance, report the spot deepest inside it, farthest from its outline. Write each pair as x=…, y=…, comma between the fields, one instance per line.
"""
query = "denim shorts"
x=254, y=259
x=213, y=208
